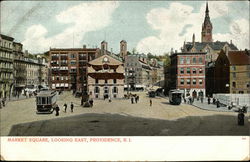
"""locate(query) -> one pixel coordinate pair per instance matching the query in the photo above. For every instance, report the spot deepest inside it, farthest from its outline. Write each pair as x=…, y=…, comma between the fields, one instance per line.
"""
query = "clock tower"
x=207, y=28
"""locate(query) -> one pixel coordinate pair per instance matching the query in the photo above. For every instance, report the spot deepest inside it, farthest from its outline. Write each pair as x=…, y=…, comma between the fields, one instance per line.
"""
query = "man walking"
x=150, y=101
x=57, y=110
x=132, y=100
x=65, y=107
x=72, y=106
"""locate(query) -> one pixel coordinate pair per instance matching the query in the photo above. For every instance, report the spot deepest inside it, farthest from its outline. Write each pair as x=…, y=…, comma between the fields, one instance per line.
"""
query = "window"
x=234, y=75
x=200, y=60
x=200, y=70
x=194, y=81
x=194, y=60
x=194, y=70
x=182, y=70
x=188, y=70
x=182, y=81
x=114, y=81
x=234, y=84
x=200, y=81
x=106, y=81
x=181, y=60
x=73, y=62
x=188, y=81
x=72, y=56
x=188, y=60
x=97, y=90
x=233, y=68
x=115, y=90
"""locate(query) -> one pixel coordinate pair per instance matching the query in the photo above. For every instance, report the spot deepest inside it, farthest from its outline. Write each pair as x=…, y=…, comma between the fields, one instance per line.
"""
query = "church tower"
x=123, y=49
x=207, y=28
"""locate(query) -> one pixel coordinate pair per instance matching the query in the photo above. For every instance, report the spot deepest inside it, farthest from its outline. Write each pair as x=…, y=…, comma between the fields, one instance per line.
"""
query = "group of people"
x=2, y=102
x=57, y=108
x=214, y=101
x=135, y=99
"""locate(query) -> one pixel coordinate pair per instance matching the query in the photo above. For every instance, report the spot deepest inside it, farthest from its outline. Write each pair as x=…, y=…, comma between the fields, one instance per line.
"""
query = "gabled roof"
x=214, y=45
x=99, y=61
x=238, y=58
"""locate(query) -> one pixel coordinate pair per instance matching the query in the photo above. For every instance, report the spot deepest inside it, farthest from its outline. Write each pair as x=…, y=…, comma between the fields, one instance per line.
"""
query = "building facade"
x=138, y=73
x=6, y=66
x=187, y=72
x=68, y=67
x=106, y=77
x=239, y=71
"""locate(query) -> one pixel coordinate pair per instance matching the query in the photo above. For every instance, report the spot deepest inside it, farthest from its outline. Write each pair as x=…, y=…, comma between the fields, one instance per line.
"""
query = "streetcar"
x=46, y=101
x=175, y=97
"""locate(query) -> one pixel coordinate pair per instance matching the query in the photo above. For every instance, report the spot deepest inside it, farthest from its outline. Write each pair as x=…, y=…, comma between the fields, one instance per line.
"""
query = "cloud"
x=178, y=22
x=83, y=18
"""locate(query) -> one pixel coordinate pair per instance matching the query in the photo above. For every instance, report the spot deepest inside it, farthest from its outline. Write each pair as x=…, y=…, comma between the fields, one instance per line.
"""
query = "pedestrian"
x=150, y=101
x=82, y=101
x=65, y=107
x=3, y=101
x=214, y=100
x=72, y=106
x=132, y=100
x=201, y=99
x=208, y=100
x=91, y=102
x=0, y=103
x=138, y=98
x=184, y=99
x=109, y=99
x=217, y=103
x=57, y=110
x=190, y=100
x=135, y=99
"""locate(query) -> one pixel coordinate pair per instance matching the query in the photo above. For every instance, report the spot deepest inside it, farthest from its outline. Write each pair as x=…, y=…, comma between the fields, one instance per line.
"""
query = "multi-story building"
x=68, y=67
x=187, y=72
x=6, y=65
x=106, y=77
x=138, y=73
x=239, y=71
x=232, y=72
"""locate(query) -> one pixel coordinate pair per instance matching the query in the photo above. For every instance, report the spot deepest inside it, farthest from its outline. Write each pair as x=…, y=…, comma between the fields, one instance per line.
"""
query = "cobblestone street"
x=24, y=111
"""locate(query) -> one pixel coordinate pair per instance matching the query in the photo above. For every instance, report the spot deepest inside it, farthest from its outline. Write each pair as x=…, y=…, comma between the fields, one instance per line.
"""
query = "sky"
x=147, y=26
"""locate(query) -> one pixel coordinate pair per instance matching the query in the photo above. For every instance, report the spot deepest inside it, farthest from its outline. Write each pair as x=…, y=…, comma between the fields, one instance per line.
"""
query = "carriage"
x=46, y=101
x=175, y=97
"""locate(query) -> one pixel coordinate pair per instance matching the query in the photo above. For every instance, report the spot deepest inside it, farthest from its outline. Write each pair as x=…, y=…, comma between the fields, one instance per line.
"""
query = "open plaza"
x=119, y=118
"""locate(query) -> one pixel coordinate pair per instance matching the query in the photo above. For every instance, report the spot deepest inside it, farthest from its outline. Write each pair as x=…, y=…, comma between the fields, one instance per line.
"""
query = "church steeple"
x=207, y=27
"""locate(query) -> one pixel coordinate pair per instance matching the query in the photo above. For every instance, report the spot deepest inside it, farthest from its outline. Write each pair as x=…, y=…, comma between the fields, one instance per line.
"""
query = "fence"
x=236, y=99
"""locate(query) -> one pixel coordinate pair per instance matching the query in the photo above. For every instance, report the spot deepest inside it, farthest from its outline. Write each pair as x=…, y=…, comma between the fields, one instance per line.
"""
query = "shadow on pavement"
x=119, y=125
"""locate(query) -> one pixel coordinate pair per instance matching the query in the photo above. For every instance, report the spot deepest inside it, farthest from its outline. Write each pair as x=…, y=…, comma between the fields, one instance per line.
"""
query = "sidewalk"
x=212, y=107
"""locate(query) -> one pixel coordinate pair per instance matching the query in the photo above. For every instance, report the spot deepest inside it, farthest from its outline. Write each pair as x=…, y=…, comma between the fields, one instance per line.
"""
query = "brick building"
x=68, y=67
x=106, y=77
x=231, y=72
x=187, y=72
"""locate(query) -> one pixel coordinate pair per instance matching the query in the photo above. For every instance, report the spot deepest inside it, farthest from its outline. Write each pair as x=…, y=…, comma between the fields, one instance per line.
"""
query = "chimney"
x=84, y=46
x=226, y=50
x=193, y=39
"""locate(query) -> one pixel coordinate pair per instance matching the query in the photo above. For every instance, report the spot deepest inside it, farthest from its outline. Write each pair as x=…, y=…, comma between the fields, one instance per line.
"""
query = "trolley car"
x=46, y=101
x=175, y=97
